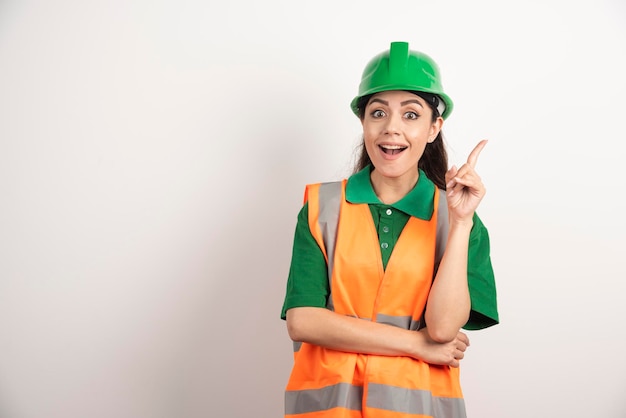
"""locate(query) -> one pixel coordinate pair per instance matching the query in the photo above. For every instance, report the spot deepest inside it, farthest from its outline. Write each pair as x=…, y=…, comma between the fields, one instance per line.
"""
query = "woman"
x=391, y=263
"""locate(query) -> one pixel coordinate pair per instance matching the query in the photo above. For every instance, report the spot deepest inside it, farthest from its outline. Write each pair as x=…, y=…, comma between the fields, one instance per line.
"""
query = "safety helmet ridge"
x=402, y=69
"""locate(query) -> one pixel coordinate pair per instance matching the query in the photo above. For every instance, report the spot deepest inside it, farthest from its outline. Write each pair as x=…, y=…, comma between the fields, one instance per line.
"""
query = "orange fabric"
x=361, y=288
x=330, y=413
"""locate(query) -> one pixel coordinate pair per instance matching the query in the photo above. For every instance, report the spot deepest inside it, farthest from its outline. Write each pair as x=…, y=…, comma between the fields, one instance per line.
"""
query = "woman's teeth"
x=392, y=149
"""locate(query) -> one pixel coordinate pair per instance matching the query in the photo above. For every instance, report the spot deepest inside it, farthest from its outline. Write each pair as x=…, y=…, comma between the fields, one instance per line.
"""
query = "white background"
x=153, y=156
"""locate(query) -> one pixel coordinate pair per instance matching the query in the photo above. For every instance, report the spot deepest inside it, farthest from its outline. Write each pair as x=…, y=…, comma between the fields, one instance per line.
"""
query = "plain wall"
x=153, y=156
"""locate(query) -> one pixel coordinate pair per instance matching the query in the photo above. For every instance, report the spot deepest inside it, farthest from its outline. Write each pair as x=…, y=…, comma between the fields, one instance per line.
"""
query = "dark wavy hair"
x=434, y=161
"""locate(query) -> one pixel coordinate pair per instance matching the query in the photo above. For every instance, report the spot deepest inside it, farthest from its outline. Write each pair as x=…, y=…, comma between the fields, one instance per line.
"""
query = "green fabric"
x=418, y=202
x=389, y=223
x=307, y=284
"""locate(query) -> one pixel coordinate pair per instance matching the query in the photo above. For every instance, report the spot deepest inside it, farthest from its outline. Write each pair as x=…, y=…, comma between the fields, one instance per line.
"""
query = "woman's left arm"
x=449, y=305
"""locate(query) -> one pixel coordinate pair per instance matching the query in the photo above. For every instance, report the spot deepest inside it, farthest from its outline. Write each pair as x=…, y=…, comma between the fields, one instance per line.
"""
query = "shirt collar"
x=418, y=202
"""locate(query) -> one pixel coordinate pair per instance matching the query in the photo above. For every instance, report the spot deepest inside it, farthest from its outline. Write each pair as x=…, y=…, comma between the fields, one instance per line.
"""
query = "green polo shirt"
x=307, y=284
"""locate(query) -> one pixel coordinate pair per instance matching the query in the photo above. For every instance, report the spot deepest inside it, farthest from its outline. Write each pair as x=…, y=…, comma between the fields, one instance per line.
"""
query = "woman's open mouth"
x=392, y=149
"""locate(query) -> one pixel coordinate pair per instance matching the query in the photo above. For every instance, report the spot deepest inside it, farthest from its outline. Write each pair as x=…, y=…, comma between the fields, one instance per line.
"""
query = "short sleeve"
x=307, y=283
x=481, y=281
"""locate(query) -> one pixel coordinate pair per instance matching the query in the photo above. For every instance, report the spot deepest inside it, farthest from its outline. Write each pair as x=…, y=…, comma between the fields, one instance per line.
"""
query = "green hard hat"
x=402, y=69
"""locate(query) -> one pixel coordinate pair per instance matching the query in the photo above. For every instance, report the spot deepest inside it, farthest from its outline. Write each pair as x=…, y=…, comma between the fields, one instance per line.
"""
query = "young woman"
x=391, y=263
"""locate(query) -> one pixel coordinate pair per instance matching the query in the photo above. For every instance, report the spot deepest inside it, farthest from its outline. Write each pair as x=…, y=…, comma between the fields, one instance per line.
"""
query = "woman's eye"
x=411, y=115
x=378, y=113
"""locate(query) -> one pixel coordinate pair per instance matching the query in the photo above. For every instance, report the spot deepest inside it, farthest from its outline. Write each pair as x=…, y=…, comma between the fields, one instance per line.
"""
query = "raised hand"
x=464, y=188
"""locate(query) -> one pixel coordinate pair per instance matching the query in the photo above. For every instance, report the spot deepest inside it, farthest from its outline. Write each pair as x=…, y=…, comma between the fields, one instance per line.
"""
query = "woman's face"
x=397, y=125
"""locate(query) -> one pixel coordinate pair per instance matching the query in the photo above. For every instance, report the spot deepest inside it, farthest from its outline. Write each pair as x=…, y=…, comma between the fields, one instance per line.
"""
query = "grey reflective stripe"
x=413, y=401
x=404, y=322
x=328, y=219
x=341, y=395
x=379, y=396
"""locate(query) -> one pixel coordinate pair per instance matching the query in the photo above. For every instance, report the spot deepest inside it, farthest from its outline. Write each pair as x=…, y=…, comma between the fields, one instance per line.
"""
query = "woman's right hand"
x=445, y=354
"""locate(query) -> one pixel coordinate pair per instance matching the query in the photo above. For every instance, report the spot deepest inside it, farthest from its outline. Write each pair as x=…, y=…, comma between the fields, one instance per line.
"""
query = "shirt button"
x=388, y=212
x=385, y=229
x=384, y=245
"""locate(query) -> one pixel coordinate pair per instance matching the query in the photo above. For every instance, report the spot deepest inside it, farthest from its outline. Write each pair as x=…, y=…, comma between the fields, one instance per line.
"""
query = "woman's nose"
x=393, y=125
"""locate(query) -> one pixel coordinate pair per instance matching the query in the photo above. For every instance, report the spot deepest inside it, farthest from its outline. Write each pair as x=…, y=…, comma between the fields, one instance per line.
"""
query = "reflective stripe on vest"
x=383, y=397
x=330, y=195
x=329, y=383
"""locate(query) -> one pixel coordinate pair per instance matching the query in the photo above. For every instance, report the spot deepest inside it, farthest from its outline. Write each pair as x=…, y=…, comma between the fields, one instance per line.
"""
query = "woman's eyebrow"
x=386, y=103
x=406, y=102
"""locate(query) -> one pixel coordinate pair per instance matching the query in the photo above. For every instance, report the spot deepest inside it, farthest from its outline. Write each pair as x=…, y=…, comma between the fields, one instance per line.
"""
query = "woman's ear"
x=435, y=128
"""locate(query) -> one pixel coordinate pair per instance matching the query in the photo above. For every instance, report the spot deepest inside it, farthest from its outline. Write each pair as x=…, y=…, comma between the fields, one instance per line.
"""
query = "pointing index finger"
x=473, y=157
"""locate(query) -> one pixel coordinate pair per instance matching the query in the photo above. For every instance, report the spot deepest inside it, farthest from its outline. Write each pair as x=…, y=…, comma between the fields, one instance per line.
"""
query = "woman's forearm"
x=323, y=327
x=449, y=303
x=328, y=329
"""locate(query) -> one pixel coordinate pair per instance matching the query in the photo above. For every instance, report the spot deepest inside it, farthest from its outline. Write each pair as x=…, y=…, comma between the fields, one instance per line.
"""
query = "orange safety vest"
x=326, y=383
